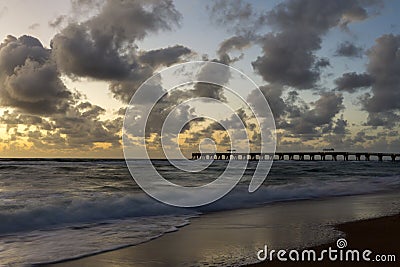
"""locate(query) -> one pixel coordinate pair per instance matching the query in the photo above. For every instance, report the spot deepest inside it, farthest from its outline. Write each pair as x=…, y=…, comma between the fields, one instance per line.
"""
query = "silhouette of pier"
x=301, y=156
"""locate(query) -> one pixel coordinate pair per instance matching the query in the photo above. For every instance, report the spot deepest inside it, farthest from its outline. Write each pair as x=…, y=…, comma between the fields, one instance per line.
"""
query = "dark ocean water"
x=52, y=210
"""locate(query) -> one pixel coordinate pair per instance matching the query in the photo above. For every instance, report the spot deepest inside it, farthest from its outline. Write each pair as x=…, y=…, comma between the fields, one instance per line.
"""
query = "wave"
x=83, y=211
x=49, y=246
x=120, y=206
x=307, y=189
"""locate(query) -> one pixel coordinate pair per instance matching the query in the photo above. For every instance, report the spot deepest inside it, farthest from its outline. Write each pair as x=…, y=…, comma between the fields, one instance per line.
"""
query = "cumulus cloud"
x=103, y=47
x=312, y=120
x=352, y=81
x=29, y=80
x=237, y=43
x=164, y=56
x=289, y=53
x=79, y=127
x=383, y=66
x=298, y=27
x=348, y=49
x=299, y=118
x=273, y=94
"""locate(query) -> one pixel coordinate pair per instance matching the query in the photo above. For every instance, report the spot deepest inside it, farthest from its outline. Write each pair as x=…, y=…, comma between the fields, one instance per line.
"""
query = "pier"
x=301, y=156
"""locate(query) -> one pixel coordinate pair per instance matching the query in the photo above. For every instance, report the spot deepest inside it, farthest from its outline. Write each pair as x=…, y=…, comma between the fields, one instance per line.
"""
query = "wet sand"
x=380, y=235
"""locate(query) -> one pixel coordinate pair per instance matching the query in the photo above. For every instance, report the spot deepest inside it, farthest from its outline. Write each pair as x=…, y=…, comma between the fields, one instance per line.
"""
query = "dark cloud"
x=383, y=118
x=82, y=126
x=303, y=120
x=311, y=121
x=124, y=89
x=76, y=53
x=289, y=53
x=383, y=103
x=288, y=59
x=299, y=25
x=273, y=94
x=103, y=47
x=164, y=56
x=340, y=126
x=237, y=43
x=348, y=49
x=15, y=119
x=54, y=117
x=233, y=43
x=237, y=15
x=211, y=72
x=322, y=113
x=147, y=62
x=325, y=108
x=352, y=81
x=29, y=80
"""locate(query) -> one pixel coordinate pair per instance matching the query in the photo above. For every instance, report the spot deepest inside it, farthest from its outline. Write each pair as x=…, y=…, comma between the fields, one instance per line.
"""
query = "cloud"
x=34, y=26
x=382, y=104
x=79, y=127
x=54, y=117
x=289, y=52
x=213, y=73
x=233, y=43
x=147, y=62
x=237, y=15
x=58, y=21
x=348, y=49
x=164, y=56
x=288, y=59
x=103, y=47
x=29, y=80
x=352, y=81
x=273, y=94
x=324, y=110
x=306, y=121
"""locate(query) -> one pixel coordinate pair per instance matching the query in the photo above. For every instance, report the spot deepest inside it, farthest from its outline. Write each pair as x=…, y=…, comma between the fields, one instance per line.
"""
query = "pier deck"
x=324, y=155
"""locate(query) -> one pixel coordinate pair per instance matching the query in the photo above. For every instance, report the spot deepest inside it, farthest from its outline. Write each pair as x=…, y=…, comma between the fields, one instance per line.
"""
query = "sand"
x=380, y=235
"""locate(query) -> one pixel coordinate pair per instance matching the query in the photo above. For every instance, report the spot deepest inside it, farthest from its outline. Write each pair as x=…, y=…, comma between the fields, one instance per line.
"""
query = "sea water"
x=57, y=209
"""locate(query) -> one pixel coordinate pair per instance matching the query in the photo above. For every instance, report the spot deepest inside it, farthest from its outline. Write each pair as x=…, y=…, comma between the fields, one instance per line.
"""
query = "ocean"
x=57, y=209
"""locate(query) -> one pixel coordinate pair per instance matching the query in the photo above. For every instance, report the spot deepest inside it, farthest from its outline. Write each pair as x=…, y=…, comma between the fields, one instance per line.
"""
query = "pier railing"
x=324, y=155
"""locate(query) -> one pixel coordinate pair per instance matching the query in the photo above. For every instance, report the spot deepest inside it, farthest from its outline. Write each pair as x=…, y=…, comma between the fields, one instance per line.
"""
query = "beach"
x=232, y=238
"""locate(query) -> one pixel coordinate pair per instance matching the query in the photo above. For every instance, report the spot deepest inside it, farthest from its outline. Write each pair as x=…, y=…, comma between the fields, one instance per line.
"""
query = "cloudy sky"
x=330, y=70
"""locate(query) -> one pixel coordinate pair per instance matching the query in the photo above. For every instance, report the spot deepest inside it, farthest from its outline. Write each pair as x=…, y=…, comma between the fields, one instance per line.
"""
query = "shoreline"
x=232, y=238
x=379, y=235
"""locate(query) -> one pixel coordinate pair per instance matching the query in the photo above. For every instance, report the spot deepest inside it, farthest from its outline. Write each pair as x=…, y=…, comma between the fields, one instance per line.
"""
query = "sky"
x=68, y=70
